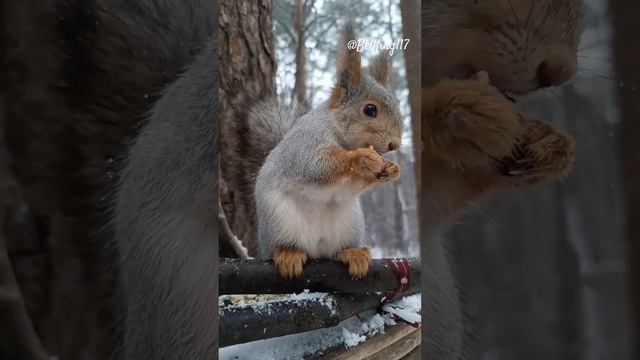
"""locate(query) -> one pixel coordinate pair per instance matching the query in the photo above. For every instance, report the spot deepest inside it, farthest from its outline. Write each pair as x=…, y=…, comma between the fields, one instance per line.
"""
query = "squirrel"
x=477, y=56
x=307, y=191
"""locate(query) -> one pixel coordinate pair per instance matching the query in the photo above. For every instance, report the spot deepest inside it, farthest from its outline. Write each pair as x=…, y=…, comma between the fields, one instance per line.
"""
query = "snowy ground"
x=348, y=333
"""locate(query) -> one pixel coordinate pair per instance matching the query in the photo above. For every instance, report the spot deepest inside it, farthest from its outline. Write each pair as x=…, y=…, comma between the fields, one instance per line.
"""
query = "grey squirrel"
x=307, y=191
x=521, y=46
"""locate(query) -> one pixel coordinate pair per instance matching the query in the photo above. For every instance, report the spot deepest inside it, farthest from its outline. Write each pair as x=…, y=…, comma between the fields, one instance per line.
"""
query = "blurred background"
x=552, y=273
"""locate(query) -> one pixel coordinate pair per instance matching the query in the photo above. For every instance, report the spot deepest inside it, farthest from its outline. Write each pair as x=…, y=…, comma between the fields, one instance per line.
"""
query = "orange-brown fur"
x=357, y=259
x=362, y=166
x=476, y=142
x=289, y=262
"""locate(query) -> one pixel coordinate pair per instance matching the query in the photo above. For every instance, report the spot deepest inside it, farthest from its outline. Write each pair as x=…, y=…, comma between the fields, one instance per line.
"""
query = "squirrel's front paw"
x=289, y=262
x=544, y=153
x=467, y=123
x=367, y=162
x=390, y=171
x=357, y=259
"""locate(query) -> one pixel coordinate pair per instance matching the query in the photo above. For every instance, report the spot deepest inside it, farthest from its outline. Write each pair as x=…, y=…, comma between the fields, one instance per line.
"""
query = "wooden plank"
x=398, y=349
x=415, y=354
x=373, y=345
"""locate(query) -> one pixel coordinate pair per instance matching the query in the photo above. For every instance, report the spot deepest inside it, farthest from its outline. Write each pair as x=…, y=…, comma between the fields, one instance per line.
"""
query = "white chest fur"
x=321, y=220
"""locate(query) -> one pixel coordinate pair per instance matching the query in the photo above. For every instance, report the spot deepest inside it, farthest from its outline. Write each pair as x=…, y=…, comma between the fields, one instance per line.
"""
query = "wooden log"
x=375, y=344
x=240, y=324
x=245, y=323
x=260, y=277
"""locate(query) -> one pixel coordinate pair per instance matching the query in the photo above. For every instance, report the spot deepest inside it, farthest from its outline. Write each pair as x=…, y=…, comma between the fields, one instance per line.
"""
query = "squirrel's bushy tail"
x=259, y=128
x=267, y=123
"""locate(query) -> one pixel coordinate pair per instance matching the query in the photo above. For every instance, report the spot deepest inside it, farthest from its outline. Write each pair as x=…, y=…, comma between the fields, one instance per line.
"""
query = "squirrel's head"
x=366, y=112
x=523, y=45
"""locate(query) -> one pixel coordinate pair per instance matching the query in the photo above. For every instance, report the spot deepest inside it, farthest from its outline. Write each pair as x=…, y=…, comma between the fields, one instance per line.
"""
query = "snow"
x=348, y=333
x=352, y=339
x=266, y=307
x=406, y=308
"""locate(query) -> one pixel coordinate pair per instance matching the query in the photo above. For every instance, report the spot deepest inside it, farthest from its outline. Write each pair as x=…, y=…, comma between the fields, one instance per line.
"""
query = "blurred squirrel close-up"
x=475, y=140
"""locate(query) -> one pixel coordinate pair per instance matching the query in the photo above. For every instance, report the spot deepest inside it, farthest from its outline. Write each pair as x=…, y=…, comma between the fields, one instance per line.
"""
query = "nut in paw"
x=390, y=171
x=357, y=259
x=289, y=262
x=466, y=123
x=368, y=162
x=545, y=153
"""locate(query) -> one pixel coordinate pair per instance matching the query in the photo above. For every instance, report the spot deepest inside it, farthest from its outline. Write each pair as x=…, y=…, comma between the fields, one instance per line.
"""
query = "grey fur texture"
x=297, y=203
x=165, y=223
x=82, y=76
x=294, y=174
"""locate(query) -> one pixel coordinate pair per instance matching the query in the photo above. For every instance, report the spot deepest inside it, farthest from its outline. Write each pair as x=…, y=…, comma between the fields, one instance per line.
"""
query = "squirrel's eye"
x=370, y=110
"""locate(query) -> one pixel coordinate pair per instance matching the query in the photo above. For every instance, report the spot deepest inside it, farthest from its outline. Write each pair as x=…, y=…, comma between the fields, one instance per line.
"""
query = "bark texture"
x=247, y=73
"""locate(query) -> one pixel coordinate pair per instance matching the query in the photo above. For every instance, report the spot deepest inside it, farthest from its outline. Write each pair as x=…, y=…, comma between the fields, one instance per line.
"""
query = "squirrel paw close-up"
x=368, y=163
x=390, y=171
x=289, y=262
x=544, y=153
x=357, y=259
x=469, y=122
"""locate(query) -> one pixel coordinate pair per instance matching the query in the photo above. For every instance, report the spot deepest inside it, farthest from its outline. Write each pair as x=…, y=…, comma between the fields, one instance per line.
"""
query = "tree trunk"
x=300, y=86
x=247, y=74
x=627, y=54
x=17, y=331
x=410, y=10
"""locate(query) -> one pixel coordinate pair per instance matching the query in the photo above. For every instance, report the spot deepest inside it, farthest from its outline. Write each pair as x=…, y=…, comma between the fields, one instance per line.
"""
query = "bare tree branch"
x=228, y=236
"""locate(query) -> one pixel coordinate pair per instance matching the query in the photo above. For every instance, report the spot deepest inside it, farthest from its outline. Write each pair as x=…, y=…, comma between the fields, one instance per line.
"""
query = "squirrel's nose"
x=393, y=146
x=556, y=70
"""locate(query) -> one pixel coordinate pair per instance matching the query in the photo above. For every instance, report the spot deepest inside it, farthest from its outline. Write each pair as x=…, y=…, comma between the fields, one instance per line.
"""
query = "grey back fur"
x=165, y=223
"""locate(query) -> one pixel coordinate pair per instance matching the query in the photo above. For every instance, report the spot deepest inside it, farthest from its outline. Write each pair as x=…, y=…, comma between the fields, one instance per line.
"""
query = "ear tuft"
x=349, y=69
x=380, y=68
x=336, y=95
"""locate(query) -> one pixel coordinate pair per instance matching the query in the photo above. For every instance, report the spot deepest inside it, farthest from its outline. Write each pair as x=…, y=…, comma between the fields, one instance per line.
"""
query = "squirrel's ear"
x=380, y=68
x=349, y=68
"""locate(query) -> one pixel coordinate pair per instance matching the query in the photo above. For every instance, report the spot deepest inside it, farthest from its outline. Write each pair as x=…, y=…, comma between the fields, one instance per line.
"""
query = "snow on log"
x=295, y=314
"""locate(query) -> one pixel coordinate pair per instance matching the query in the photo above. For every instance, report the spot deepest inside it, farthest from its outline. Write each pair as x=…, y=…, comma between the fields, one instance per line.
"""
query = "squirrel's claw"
x=357, y=259
x=390, y=171
x=544, y=153
x=289, y=262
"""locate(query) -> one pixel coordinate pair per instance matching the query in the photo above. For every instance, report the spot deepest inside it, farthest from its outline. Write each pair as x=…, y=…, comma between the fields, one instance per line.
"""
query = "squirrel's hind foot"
x=357, y=259
x=289, y=262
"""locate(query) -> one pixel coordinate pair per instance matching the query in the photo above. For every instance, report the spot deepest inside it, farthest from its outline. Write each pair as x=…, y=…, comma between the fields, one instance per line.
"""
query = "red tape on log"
x=402, y=272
